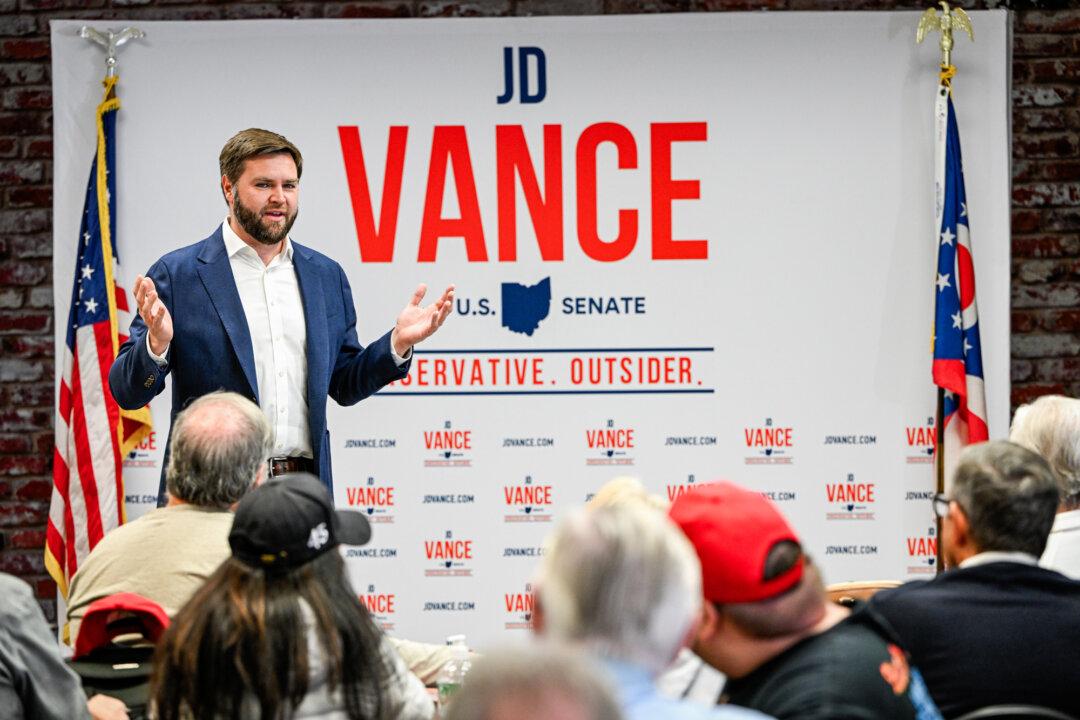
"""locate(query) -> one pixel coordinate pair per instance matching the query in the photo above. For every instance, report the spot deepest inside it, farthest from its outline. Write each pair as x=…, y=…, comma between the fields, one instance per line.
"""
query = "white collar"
x=992, y=556
x=233, y=243
x=1068, y=520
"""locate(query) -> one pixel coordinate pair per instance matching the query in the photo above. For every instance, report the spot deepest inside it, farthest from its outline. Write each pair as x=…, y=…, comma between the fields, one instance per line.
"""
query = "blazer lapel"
x=315, y=318
x=217, y=277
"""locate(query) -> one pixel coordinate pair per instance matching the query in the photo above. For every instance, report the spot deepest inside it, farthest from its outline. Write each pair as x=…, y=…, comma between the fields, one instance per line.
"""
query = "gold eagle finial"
x=949, y=20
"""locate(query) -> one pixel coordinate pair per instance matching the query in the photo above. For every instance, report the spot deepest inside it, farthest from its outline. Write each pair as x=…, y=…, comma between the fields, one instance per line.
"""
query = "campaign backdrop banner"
x=686, y=248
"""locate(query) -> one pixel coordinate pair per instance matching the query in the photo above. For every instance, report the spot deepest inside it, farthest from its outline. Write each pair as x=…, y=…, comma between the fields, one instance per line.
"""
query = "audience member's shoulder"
x=11, y=585
x=18, y=596
x=734, y=712
x=904, y=593
x=1051, y=580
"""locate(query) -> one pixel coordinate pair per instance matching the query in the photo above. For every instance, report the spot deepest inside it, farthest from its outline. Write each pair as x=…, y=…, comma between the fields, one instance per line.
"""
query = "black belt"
x=285, y=465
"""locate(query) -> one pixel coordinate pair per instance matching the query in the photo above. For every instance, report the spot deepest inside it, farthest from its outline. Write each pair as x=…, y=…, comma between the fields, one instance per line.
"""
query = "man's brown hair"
x=251, y=143
x=792, y=611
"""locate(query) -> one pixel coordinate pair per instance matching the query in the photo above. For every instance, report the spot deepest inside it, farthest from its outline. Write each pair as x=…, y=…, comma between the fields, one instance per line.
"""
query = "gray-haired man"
x=220, y=446
x=995, y=629
x=623, y=584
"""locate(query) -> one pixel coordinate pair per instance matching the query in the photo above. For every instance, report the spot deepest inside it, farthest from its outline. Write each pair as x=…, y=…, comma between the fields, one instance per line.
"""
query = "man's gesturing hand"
x=154, y=314
x=417, y=323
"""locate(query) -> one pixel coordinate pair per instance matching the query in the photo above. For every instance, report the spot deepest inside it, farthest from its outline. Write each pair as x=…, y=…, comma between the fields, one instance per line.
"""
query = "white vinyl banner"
x=686, y=247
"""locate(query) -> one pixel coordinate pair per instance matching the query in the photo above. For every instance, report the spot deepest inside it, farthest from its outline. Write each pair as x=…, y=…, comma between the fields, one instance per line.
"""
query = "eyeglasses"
x=941, y=504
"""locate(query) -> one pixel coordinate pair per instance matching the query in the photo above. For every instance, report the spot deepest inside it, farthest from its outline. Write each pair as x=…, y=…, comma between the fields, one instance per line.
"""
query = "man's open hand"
x=415, y=323
x=154, y=313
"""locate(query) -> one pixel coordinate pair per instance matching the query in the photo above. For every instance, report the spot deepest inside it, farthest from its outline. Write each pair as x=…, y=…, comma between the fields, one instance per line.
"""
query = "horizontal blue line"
x=549, y=392
x=492, y=351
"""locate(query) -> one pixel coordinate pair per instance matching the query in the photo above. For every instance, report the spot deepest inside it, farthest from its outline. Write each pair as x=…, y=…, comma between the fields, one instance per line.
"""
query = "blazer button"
x=149, y=381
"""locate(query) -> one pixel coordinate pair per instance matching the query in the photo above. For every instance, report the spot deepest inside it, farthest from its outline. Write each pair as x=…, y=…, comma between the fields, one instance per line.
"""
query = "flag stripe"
x=85, y=490
x=108, y=494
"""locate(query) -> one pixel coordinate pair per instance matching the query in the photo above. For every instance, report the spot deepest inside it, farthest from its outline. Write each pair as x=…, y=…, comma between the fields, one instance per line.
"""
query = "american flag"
x=93, y=435
x=958, y=367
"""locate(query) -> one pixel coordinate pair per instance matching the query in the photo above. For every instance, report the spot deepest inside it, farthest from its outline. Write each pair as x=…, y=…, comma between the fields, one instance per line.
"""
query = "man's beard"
x=252, y=223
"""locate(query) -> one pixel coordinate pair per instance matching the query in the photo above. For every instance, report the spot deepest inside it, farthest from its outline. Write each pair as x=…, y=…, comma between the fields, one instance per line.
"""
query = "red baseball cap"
x=119, y=614
x=733, y=530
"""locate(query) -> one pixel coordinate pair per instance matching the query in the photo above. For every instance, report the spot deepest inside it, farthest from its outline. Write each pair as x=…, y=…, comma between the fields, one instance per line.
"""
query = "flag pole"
x=939, y=471
x=930, y=21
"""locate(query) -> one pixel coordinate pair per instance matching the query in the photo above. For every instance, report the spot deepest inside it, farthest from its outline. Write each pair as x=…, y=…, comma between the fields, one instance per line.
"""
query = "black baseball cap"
x=290, y=520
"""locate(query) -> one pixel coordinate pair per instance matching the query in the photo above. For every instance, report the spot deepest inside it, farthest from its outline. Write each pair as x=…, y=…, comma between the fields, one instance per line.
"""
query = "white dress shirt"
x=1063, y=546
x=274, y=310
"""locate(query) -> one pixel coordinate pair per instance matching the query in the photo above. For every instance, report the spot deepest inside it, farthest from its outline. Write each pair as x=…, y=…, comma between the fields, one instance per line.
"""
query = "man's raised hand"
x=415, y=323
x=154, y=313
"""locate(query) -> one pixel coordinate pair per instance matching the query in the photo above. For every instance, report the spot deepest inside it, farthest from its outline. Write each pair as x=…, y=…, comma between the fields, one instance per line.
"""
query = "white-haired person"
x=688, y=677
x=623, y=584
x=1050, y=426
x=539, y=682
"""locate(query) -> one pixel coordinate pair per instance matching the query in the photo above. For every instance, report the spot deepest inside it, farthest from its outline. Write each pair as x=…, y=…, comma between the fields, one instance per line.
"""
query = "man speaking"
x=251, y=311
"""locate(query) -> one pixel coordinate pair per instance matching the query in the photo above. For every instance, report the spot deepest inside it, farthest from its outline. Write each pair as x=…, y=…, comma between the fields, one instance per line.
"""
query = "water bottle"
x=453, y=672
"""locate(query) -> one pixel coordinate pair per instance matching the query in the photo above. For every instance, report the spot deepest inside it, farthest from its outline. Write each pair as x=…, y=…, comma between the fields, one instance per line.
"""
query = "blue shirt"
x=640, y=700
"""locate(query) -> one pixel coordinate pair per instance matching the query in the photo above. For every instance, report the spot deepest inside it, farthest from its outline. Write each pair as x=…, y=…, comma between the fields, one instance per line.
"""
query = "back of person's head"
x=1009, y=496
x=1050, y=426
x=753, y=567
x=623, y=582
x=540, y=682
x=220, y=444
x=623, y=489
x=240, y=646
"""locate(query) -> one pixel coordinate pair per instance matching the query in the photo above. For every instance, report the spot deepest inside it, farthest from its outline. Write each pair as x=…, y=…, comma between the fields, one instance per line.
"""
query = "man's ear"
x=961, y=527
x=712, y=621
x=537, y=613
x=227, y=190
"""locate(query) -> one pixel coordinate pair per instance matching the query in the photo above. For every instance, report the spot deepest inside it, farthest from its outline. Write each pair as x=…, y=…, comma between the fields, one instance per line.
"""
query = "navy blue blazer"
x=995, y=634
x=211, y=346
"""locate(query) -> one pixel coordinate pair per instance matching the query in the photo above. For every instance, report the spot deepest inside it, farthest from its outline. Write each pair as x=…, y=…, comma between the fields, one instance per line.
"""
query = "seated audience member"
x=277, y=630
x=687, y=678
x=623, y=584
x=768, y=625
x=35, y=683
x=996, y=628
x=536, y=683
x=220, y=444
x=1051, y=427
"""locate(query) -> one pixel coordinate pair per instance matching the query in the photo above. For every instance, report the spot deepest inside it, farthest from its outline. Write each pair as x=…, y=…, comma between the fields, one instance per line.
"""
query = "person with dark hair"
x=995, y=628
x=251, y=311
x=220, y=446
x=767, y=623
x=278, y=631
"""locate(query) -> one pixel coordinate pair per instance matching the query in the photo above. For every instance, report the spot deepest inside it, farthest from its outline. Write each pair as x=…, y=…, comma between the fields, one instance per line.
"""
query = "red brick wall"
x=1045, y=232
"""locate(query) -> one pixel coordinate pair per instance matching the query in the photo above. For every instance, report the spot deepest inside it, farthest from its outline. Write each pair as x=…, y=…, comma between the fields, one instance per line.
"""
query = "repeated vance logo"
x=449, y=556
x=527, y=501
x=769, y=444
x=448, y=447
x=519, y=609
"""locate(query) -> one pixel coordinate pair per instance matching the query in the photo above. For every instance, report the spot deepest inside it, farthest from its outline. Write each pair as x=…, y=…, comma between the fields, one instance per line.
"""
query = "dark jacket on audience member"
x=992, y=634
x=852, y=671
